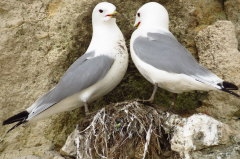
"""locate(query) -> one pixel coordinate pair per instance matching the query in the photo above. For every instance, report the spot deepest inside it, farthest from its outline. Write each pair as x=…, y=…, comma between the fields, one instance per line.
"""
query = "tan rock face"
x=217, y=45
x=232, y=9
x=38, y=42
x=40, y=39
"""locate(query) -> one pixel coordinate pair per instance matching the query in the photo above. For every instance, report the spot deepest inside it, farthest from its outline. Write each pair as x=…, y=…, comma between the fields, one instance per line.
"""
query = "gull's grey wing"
x=84, y=72
x=163, y=51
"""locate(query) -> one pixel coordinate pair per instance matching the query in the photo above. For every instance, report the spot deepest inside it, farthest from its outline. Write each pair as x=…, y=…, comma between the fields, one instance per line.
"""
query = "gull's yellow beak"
x=137, y=24
x=113, y=14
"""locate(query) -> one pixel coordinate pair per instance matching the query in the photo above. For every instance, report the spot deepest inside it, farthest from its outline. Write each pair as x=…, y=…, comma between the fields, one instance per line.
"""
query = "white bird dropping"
x=93, y=75
x=163, y=61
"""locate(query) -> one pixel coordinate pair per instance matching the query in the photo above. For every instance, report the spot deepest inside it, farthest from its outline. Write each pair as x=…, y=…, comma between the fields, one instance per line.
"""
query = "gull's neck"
x=152, y=22
x=105, y=35
x=144, y=29
x=103, y=29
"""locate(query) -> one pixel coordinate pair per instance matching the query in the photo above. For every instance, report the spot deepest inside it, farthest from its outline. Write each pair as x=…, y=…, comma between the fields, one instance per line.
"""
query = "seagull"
x=98, y=71
x=163, y=61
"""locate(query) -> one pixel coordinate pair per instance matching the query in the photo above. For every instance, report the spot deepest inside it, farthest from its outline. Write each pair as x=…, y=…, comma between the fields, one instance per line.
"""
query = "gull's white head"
x=104, y=13
x=152, y=14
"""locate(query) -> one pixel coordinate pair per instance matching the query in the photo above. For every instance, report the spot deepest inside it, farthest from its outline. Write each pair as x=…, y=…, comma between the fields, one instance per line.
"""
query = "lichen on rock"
x=218, y=50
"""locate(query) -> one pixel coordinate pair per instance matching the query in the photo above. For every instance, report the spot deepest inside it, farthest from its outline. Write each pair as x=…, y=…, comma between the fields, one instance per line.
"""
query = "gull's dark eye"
x=138, y=14
x=100, y=10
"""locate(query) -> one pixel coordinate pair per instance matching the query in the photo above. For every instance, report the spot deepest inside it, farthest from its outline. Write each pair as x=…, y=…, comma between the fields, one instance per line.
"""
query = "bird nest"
x=124, y=131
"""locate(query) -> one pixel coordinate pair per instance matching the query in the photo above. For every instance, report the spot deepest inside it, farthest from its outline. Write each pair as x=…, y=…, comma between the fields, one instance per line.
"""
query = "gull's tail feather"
x=227, y=87
x=18, y=117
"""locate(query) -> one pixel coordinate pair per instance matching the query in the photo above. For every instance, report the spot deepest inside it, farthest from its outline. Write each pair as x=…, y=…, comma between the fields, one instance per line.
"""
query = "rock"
x=232, y=9
x=69, y=148
x=58, y=157
x=112, y=131
x=28, y=157
x=37, y=44
x=226, y=152
x=217, y=45
x=197, y=132
x=41, y=39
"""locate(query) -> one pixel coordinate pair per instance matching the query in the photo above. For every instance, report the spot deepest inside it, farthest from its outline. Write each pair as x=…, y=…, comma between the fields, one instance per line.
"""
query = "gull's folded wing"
x=84, y=72
x=164, y=52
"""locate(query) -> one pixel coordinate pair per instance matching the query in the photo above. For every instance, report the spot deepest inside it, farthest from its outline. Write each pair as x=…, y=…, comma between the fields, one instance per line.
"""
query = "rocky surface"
x=40, y=39
x=232, y=9
x=217, y=45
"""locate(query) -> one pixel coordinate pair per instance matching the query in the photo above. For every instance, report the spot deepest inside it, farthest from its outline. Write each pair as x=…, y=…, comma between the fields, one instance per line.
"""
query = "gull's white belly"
x=172, y=82
x=109, y=82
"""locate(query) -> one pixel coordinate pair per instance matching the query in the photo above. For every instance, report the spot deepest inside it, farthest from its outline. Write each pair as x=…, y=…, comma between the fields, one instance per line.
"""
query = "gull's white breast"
x=112, y=78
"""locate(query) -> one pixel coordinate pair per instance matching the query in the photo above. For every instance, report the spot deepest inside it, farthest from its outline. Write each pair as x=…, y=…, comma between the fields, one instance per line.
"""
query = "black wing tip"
x=228, y=85
x=18, y=124
x=230, y=92
x=18, y=117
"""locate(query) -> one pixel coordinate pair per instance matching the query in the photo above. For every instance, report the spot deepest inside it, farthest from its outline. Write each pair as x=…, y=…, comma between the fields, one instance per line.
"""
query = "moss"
x=59, y=131
x=187, y=103
x=134, y=86
x=237, y=114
